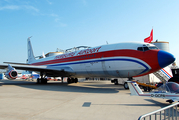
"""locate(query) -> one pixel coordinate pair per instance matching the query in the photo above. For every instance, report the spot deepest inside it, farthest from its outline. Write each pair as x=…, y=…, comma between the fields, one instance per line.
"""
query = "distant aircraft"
x=169, y=91
x=125, y=60
x=24, y=77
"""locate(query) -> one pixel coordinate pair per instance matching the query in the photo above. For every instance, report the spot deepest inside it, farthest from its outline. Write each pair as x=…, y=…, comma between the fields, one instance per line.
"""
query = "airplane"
x=125, y=60
x=24, y=77
x=169, y=91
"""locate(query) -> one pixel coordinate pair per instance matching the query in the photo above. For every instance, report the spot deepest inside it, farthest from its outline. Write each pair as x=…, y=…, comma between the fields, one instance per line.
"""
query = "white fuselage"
x=115, y=60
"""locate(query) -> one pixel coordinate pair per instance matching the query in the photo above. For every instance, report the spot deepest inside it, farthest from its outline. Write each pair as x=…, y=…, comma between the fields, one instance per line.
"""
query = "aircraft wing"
x=16, y=63
x=49, y=70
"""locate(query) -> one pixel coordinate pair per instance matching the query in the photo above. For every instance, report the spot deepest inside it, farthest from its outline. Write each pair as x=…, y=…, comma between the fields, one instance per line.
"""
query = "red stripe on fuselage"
x=150, y=57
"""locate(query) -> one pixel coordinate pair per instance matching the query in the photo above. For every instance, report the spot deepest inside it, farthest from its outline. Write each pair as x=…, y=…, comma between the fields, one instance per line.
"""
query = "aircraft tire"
x=126, y=86
x=115, y=82
x=76, y=80
x=72, y=80
x=41, y=81
x=149, y=89
x=44, y=81
x=37, y=80
x=145, y=89
x=68, y=80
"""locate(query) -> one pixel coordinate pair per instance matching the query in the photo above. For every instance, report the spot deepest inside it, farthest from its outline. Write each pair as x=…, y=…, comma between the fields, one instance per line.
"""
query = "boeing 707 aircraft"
x=125, y=60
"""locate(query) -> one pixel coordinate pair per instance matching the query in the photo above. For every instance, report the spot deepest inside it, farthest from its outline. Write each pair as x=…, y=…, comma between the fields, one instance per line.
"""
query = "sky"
x=65, y=24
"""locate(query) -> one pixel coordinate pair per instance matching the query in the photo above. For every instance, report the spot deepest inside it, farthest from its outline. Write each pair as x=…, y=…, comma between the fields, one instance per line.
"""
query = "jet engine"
x=11, y=73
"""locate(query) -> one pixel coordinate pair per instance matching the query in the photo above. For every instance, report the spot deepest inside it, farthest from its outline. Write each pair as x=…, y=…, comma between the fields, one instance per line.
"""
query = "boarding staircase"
x=163, y=74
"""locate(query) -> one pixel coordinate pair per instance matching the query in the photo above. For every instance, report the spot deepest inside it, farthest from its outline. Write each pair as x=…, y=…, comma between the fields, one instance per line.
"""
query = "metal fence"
x=167, y=113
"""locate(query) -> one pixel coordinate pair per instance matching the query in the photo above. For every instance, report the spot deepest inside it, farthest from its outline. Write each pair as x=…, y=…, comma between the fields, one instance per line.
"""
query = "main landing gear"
x=72, y=80
x=42, y=79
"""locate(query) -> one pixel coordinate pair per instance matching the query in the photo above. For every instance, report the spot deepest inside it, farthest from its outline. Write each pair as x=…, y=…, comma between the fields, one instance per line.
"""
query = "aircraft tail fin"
x=134, y=88
x=30, y=53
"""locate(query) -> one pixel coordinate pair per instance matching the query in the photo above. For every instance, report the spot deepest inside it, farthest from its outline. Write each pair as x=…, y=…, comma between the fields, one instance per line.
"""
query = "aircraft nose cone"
x=165, y=58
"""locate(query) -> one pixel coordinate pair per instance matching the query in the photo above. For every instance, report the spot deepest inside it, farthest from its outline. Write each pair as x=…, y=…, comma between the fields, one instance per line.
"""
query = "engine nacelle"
x=11, y=73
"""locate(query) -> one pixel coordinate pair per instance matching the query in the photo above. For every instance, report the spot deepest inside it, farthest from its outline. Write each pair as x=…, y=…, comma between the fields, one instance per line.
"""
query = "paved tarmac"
x=89, y=100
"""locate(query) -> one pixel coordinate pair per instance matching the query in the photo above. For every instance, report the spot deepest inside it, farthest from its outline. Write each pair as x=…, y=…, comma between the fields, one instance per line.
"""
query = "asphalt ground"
x=88, y=100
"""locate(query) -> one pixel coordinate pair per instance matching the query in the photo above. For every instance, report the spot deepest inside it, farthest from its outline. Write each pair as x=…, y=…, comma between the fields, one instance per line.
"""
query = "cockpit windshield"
x=145, y=48
x=173, y=87
x=168, y=87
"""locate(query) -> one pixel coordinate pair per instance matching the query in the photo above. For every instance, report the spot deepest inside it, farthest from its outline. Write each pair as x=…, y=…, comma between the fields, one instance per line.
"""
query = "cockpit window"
x=153, y=48
x=140, y=48
x=147, y=48
x=168, y=87
x=173, y=87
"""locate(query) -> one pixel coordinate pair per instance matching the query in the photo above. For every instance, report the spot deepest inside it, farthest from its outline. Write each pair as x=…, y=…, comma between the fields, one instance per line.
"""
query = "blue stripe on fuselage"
x=102, y=60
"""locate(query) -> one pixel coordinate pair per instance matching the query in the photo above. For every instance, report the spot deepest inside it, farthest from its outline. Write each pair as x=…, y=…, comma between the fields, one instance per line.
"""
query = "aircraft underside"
x=108, y=69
